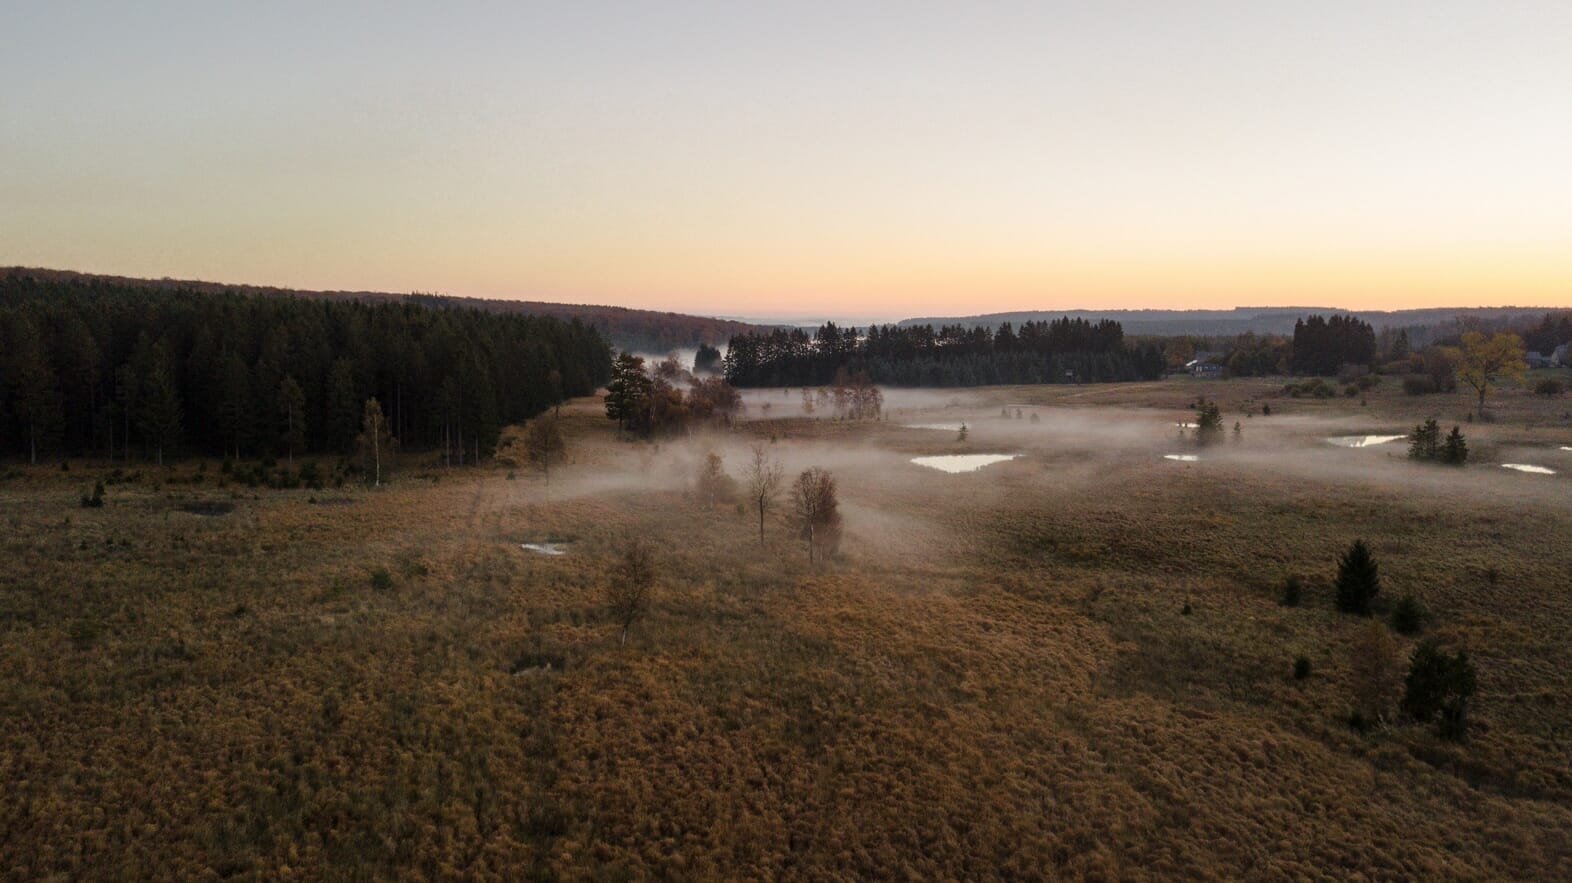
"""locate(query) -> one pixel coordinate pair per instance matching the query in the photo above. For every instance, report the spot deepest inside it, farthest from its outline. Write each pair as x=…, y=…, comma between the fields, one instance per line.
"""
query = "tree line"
x=89, y=366
x=1060, y=351
x=650, y=402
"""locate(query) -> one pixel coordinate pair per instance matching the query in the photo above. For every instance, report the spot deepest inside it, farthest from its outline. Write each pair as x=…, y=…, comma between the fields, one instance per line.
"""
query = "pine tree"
x=1358, y=580
x=292, y=414
x=628, y=392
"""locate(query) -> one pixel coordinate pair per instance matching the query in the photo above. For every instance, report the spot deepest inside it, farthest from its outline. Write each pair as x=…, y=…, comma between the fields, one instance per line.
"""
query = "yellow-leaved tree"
x=1487, y=359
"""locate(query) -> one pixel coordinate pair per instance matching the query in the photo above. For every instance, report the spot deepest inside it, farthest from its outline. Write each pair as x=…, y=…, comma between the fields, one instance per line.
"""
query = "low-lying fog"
x=1068, y=449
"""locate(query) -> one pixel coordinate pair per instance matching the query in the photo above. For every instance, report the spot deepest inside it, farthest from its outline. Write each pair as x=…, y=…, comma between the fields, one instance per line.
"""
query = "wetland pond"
x=545, y=548
x=1363, y=441
x=956, y=463
x=1527, y=467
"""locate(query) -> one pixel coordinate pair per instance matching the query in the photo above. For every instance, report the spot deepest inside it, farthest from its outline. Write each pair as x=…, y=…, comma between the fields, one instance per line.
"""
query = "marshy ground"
x=996, y=677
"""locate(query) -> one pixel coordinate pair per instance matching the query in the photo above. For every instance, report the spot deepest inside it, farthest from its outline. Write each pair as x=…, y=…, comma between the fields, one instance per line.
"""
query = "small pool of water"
x=1528, y=467
x=1184, y=458
x=1566, y=448
x=947, y=427
x=545, y=548
x=1363, y=441
x=962, y=462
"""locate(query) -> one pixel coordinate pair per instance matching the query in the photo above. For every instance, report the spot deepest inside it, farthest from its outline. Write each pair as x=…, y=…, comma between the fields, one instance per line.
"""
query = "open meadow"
x=1073, y=663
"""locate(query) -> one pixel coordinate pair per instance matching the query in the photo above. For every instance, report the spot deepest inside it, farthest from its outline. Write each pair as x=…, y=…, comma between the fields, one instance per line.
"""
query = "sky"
x=888, y=160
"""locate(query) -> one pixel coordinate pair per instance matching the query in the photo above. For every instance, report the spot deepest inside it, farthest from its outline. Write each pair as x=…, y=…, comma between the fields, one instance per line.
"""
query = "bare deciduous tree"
x=1377, y=675
x=628, y=593
x=713, y=484
x=816, y=510
x=376, y=443
x=764, y=477
x=543, y=441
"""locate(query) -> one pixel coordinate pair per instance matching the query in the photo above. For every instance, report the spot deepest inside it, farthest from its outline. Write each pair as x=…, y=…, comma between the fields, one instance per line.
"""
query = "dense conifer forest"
x=1061, y=351
x=1322, y=346
x=647, y=331
x=94, y=366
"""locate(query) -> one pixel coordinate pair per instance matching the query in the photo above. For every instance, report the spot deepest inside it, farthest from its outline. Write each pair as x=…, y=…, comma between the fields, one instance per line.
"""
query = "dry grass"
x=995, y=680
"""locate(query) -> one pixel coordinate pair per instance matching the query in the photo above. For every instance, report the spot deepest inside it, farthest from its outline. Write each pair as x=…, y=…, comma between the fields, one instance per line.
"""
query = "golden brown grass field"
x=995, y=679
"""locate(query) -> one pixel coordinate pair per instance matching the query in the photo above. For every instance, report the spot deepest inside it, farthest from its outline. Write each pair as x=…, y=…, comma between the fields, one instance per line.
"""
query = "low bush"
x=1408, y=617
x=1419, y=385
x=1293, y=591
x=1438, y=688
x=96, y=500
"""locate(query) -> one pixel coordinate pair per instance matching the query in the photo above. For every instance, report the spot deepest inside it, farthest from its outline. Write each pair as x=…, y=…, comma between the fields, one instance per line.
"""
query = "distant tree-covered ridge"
x=95, y=366
x=646, y=331
x=1060, y=351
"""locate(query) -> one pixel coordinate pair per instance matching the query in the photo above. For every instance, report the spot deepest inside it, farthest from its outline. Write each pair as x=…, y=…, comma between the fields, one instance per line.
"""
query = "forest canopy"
x=1060, y=351
x=93, y=366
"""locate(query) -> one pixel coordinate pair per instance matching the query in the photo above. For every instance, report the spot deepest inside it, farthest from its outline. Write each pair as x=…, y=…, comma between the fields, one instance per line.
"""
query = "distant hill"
x=1260, y=320
x=648, y=331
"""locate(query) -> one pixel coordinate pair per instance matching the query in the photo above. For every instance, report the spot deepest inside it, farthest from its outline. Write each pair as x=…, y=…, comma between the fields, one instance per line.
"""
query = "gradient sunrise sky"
x=746, y=158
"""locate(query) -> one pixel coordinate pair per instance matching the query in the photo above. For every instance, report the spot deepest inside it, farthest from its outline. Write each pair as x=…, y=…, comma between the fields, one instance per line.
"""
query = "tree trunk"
x=32, y=443
x=761, y=522
x=624, y=641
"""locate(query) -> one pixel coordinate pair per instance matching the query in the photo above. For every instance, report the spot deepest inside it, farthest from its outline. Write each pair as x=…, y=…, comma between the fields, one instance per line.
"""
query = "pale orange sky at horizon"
x=886, y=161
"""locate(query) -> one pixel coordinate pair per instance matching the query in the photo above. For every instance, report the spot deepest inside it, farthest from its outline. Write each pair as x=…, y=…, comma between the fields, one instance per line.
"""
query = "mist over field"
x=827, y=442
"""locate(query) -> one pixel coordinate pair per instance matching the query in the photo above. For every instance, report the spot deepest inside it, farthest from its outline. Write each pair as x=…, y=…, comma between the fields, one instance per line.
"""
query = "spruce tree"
x=1424, y=442
x=1208, y=421
x=1454, y=451
x=235, y=409
x=1358, y=581
x=344, y=405
x=159, y=417
x=33, y=387
x=1439, y=685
